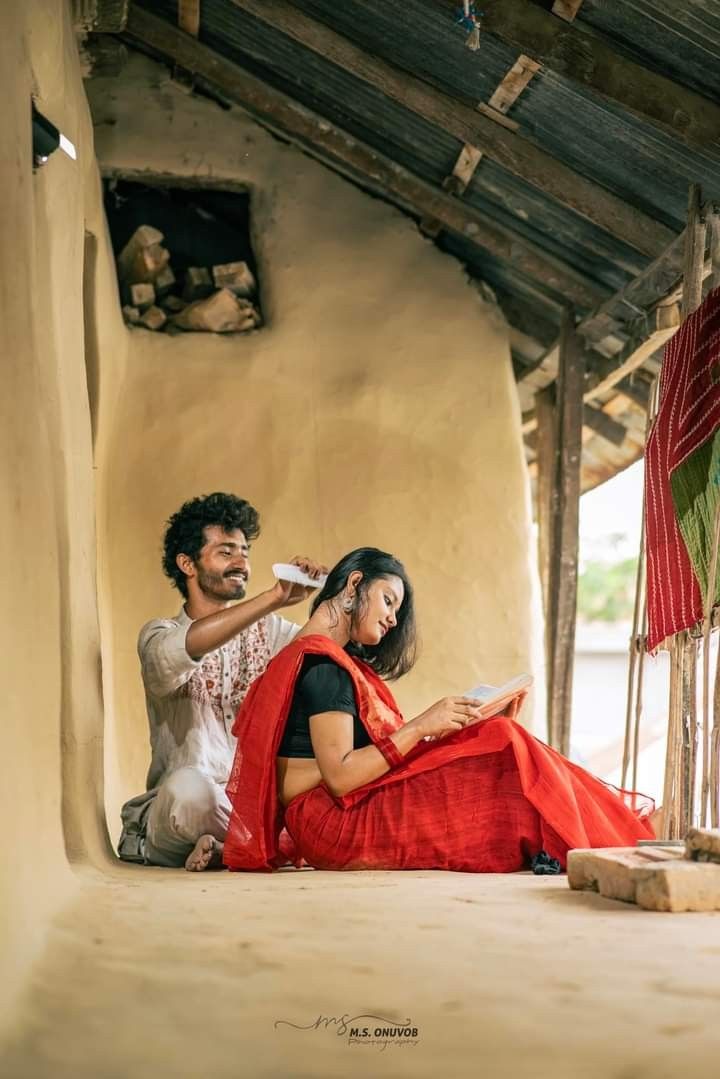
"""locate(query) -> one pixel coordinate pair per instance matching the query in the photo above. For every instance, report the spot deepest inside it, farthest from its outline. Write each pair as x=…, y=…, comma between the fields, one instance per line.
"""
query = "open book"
x=496, y=698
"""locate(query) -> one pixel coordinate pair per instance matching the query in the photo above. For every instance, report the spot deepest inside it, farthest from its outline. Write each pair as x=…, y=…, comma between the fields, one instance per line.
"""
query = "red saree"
x=484, y=800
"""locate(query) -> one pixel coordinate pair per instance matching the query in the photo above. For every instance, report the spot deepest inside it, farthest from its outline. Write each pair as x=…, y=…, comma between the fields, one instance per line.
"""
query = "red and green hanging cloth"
x=682, y=475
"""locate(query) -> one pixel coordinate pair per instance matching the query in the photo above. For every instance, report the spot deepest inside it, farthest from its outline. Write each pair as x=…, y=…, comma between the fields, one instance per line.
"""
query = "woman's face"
x=378, y=610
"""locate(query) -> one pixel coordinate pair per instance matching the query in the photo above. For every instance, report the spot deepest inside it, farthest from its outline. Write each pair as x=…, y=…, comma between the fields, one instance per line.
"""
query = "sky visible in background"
x=610, y=518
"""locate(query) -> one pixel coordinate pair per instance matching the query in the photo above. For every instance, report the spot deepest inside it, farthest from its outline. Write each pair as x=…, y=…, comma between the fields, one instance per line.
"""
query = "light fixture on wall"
x=46, y=139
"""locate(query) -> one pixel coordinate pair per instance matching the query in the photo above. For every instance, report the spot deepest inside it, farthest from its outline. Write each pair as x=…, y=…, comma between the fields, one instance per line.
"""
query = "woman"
x=327, y=755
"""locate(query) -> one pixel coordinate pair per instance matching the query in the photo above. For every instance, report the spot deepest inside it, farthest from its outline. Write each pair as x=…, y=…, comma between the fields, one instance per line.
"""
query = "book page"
x=496, y=698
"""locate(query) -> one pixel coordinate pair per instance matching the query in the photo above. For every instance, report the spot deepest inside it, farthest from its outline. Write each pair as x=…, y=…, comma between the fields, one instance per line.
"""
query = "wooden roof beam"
x=322, y=139
x=595, y=420
x=660, y=325
x=605, y=374
x=585, y=58
x=517, y=155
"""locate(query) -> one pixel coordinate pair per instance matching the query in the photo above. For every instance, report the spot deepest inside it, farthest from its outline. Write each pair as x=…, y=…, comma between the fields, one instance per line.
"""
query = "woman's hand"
x=446, y=716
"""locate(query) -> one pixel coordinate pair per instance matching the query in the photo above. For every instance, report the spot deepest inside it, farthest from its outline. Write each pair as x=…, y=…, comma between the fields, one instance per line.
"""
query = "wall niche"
x=184, y=256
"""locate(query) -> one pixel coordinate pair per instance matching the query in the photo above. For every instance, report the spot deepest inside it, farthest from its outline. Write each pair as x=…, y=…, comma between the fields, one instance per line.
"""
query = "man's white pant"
x=187, y=805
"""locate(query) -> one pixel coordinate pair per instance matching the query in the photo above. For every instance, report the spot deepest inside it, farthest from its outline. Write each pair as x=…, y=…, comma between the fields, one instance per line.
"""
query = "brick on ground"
x=655, y=878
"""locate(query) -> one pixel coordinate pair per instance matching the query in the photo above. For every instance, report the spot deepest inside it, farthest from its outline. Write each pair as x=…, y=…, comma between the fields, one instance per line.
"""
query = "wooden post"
x=546, y=482
x=714, y=225
x=547, y=509
x=681, y=759
x=562, y=577
x=694, y=254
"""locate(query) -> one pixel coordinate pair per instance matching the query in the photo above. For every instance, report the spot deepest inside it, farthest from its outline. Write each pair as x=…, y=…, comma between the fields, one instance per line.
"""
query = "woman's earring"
x=348, y=605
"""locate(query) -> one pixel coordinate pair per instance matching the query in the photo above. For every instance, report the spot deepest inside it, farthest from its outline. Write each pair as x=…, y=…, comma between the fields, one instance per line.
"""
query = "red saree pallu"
x=484, y=800
x=681, y=475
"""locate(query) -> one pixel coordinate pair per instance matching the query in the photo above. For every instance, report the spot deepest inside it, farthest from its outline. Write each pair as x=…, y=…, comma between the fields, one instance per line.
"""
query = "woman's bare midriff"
x=295, y=775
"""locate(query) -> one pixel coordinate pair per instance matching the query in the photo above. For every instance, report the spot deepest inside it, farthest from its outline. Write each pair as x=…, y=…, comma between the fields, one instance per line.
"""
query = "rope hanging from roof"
x=469, y=19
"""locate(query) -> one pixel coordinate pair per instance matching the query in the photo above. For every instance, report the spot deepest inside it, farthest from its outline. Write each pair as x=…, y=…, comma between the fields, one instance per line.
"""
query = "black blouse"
x=322, y=686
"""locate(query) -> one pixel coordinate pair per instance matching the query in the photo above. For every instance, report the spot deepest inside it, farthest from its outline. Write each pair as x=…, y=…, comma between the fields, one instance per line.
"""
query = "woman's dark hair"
x=396, y=653
x=185, y=533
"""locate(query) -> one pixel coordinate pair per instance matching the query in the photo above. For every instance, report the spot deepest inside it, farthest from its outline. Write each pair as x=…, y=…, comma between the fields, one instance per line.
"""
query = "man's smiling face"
x=223, y=568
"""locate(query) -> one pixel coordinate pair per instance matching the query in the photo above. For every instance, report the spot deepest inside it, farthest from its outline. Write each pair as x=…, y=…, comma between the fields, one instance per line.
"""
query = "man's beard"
x=219, y=587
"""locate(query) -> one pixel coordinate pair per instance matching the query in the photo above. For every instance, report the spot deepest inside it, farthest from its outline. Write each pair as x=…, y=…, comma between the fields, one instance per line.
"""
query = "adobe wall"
x=377, y=406
x=51, y=795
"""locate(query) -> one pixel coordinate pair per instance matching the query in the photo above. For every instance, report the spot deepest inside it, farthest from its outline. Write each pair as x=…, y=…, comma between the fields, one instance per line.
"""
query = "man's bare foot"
x=206, y=854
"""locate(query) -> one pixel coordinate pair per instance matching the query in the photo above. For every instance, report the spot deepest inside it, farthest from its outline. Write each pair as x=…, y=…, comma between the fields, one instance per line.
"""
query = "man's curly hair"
x=185, y=533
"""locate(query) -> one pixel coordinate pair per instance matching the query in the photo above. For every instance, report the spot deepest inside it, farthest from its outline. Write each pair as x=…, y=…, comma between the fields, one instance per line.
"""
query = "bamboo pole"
x=638, y=639
x=639, y=694
x=715, y=753
x=635, y=645
x=688, y=733
x=671, y=749
x=710, y=593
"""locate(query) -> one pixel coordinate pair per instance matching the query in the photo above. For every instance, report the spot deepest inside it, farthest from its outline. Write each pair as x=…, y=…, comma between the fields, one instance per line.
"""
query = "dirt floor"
x=165, y=974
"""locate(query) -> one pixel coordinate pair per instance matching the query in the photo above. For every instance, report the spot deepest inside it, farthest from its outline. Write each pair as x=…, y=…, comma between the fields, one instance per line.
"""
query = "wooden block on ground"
x=164, y=281
x=703, y=844
x=154, y=318
x=131, y=314
x=141, y=295
x=236, y=276
x=652, y=877
x=220, y=313
x=172, y=303
x=198, y=283
x=142, y=237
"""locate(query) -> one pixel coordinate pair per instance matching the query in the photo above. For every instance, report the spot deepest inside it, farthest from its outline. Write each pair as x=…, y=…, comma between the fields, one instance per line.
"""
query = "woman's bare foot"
x=206, y=854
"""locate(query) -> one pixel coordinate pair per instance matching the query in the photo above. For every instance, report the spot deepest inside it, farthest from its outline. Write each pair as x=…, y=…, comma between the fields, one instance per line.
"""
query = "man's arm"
x=211, y=632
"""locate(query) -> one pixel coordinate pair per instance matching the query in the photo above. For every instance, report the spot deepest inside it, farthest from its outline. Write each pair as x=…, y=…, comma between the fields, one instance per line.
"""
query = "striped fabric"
x=681, y=475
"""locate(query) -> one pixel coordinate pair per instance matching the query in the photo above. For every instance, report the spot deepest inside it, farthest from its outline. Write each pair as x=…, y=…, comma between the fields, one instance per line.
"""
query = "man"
x=197, y=668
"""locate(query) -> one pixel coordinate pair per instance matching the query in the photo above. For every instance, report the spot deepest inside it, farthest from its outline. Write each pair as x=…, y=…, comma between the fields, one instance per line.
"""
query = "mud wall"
x=377, y=406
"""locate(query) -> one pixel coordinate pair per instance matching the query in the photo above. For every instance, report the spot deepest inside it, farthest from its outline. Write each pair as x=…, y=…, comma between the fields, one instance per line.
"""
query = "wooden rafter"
x=608, y=372
x=586, y=58
x=659, y=326
x=597, y=421
x=514, y=153
x=321, y=138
